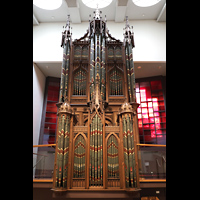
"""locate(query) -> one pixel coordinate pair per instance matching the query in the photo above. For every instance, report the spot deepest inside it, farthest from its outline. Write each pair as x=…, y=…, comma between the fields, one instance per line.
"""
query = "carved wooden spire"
x=66, y=34
x=96, y=102
x=128, y=33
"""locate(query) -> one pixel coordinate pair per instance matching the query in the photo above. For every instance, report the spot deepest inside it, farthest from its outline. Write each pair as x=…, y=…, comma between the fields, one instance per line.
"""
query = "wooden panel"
x=113, y=182
x=80, y=129
x=78, y=182
x=109, y=129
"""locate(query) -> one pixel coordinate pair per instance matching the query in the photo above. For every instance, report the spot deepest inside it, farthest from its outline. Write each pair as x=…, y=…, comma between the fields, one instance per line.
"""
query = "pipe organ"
x=97, y=128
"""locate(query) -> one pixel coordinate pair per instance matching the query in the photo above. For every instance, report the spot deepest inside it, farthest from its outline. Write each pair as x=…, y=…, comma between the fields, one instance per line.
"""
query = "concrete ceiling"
x=116, y=11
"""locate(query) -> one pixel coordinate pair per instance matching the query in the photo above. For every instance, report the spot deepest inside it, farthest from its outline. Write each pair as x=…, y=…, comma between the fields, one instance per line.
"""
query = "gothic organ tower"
x=97, y=128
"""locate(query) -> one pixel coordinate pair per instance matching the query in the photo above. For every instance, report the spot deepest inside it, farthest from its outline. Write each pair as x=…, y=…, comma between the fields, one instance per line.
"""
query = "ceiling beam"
x=71, y=3
x=162, y=14
x=35, y=19
x=120, y=10
x=73, y=8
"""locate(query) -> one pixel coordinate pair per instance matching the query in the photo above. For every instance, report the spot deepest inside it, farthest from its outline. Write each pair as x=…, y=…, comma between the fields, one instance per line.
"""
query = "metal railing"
x=43, y=161
x=152, y=162
x=151, y=159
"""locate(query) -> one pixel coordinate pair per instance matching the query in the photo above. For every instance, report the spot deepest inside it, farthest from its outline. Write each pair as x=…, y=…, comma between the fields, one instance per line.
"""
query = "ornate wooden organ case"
x=97, y=128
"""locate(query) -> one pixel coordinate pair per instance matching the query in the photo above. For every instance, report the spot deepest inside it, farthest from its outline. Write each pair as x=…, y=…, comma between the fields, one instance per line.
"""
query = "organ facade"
x=97, y=128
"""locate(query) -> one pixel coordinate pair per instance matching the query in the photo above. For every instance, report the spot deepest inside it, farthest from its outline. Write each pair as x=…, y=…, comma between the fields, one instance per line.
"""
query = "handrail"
x=44, y=145
x=152, y=180
x=43, y=180
x=152, y=145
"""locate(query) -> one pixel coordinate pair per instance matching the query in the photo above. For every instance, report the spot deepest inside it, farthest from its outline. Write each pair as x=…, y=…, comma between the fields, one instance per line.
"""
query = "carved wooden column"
x=63, y=145
x=127, y=116
x=66, y=44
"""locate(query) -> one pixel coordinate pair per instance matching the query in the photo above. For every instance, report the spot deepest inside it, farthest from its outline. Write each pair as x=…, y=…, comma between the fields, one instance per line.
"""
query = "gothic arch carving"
x=108, y=121
x=112, y=157
x=79, y=158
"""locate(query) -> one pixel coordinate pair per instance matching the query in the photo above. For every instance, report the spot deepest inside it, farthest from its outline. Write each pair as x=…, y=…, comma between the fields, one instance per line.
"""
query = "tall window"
x=151, y=112
x=48, y=125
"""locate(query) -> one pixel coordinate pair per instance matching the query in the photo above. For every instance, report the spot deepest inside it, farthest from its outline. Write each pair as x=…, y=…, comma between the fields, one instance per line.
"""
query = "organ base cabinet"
x=97, y=131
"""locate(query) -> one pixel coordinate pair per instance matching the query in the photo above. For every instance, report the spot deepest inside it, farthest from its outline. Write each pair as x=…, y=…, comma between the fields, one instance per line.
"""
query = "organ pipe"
x=125, y=152
x=62, y=151
x=79, y=157
x=115, y=83
x=92, y=62
x=96, y=160
x=113, y=162
x=80, y=82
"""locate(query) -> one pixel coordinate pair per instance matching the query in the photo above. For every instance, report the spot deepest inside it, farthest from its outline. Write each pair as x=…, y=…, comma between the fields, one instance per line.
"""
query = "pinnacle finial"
x=97, y=13
x=68, y=22
x=127, y=27
x=128, y=34
x=66, y=32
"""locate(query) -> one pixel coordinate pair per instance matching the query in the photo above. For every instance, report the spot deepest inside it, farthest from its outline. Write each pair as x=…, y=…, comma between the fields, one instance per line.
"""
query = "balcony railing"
x=43, y=161
x=152, y=162
x=151, y=159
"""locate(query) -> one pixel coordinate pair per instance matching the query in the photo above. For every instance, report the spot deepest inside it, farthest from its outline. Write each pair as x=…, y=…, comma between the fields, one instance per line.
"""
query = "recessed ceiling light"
x=145, y=3
x=48, y=4
x=95, y=3
x=52, y=17
x=142, y=15
x=139, y=67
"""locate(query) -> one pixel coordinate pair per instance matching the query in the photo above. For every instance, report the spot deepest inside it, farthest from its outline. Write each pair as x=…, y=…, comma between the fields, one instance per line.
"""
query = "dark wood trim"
x=153, y=185
x=97, y=194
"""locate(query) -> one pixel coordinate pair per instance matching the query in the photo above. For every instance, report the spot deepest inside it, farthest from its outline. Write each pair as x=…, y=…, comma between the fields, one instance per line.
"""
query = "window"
x=145, y=3
x=48, y=4
x=151, y=112
x=95, y=3
x=48, y=127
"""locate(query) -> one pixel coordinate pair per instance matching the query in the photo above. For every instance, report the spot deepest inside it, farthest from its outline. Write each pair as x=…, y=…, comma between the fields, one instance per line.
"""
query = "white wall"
x=149, y=37
x=38, y=97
